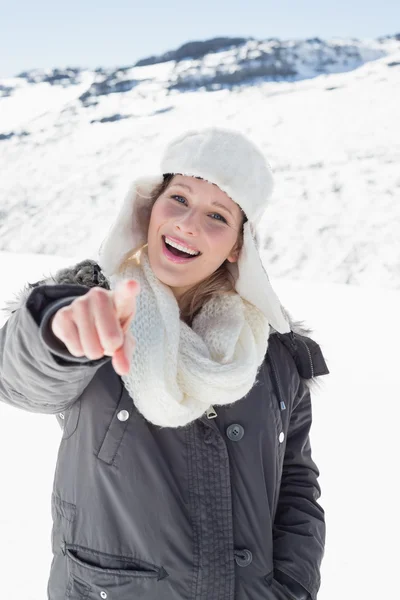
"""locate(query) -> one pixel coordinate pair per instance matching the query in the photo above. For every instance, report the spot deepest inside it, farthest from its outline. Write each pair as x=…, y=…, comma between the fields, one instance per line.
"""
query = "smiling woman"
x=193, y=441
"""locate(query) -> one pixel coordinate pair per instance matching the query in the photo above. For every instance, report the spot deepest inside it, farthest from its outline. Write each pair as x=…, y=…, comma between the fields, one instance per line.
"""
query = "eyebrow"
x=214, y=202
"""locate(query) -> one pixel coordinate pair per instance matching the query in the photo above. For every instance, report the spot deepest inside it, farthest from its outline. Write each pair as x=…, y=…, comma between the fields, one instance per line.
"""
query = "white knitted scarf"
x=177, y=371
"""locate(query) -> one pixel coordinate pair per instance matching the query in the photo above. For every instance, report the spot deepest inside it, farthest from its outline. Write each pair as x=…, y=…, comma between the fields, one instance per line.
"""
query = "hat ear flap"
x=252, y=281
x=129, y=231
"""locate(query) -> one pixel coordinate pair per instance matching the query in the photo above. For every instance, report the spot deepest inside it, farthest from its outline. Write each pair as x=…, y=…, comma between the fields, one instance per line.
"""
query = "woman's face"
x=199, y=216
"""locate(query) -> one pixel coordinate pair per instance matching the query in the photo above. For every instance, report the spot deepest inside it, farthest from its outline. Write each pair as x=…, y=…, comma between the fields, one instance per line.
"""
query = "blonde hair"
x=219, y=282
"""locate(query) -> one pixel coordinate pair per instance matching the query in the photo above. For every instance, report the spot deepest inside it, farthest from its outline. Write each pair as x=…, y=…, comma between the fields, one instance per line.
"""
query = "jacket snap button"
x=243, y=558
x=281, y=437
x=123, y=415
x=61, y=415
x=235, y=432
x=103, y=595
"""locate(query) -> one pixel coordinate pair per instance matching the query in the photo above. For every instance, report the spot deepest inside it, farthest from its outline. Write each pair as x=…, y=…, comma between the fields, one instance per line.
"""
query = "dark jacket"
x=224, y=508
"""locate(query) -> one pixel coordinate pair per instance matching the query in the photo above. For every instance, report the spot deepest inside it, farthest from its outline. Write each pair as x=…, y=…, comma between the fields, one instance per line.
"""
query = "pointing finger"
x=125, y=299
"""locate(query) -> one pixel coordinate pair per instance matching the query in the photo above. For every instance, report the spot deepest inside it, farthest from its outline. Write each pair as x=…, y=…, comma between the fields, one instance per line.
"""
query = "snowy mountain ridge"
x=210, y=65
x=220, y=61
x=324, y=112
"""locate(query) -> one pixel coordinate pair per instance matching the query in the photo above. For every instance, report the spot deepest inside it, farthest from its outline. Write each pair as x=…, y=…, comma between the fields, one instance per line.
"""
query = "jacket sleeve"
x=299, y=526
x=37, y=373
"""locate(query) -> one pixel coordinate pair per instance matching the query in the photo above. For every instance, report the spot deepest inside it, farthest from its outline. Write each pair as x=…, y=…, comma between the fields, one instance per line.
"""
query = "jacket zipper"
x=309, y=356
x=281, y=402
x=282, y=407
x=211, y=412
x=294, y=341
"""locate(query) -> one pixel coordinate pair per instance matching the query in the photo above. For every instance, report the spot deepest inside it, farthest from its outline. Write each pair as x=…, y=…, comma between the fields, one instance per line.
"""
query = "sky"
x=354, y=441
x=47, y=34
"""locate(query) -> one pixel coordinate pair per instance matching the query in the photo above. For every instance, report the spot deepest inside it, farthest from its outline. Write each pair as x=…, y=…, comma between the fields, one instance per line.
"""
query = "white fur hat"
x=232, y=162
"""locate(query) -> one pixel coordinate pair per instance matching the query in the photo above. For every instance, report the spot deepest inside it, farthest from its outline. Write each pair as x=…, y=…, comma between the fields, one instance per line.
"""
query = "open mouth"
x=175, y=254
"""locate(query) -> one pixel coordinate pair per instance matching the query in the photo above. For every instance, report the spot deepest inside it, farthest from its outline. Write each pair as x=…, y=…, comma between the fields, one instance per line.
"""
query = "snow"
x=353, y=437
x=333, y=140
x=44, y=99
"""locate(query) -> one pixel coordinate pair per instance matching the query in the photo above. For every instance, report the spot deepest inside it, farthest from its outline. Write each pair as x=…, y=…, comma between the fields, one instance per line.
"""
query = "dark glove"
x=286, y=588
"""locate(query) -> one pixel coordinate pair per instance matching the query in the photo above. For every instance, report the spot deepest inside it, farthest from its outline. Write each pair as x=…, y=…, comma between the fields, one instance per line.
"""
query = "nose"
x=188, y=223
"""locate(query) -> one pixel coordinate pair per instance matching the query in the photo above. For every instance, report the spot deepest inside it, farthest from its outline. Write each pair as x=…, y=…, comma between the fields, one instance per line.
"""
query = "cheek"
x=156, y=219
x=162, y=212
x=221, y=237
x=171, y=210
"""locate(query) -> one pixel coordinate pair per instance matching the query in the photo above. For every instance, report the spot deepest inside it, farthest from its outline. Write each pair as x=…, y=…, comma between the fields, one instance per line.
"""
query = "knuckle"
x=99, y=294
x=112, y=328
x=92, y=345
x=92, y=349
x=69, y=336
x=74, y=347
x=63, y=314
x=79, y=305
x=59, y=323
x=94, y=355
x=96, y=351
x=113, y=339
x=77, y=353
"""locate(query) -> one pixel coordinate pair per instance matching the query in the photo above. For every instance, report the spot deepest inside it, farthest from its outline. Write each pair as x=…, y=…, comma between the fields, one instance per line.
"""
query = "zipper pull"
x=211, y=413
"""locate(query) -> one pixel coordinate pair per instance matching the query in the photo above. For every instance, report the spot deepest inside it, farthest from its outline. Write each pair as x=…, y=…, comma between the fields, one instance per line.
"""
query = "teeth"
x=180, y=247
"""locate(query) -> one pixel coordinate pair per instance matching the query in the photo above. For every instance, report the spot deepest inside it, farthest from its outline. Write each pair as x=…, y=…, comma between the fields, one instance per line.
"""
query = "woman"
x=183, y=390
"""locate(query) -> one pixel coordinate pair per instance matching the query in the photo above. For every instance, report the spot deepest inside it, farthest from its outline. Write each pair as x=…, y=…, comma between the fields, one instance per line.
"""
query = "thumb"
x=125, y=300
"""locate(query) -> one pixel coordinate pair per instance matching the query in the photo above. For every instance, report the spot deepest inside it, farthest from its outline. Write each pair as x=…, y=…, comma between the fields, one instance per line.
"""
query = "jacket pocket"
x=68, y=419
x=94, y=574
x=116, y=429
x=281, y=592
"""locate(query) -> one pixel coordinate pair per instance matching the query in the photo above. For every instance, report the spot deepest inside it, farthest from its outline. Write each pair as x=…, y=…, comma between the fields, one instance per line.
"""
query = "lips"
x=182, y=243
x=174, y=257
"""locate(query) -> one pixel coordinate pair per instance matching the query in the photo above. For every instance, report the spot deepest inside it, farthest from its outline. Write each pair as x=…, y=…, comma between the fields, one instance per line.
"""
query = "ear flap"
x=252, y=281
x=130, y=229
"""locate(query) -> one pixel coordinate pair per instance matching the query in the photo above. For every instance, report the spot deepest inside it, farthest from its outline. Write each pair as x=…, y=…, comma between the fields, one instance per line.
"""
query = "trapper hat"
x=232, y=162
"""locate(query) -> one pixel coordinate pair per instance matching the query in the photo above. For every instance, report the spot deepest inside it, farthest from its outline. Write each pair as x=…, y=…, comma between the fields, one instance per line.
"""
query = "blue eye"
x=181, y=197
x=221, y=219
x=178, y=198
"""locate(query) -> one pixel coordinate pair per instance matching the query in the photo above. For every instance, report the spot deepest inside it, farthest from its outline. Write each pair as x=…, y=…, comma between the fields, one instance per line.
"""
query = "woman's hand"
x=96, y=324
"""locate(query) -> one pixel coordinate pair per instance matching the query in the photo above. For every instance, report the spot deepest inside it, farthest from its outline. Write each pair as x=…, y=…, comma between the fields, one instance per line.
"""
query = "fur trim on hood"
x=305, y=351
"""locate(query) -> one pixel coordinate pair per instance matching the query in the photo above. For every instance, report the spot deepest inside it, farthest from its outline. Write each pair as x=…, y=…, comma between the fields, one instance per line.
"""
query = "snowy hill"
x=324, y=112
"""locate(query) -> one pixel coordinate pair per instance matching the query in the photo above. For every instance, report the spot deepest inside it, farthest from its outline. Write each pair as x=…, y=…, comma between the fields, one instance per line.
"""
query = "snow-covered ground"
x=354, y=438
